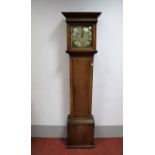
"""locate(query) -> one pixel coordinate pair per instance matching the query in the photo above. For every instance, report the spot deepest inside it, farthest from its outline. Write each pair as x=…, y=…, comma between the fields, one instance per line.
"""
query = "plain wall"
x=50, y=63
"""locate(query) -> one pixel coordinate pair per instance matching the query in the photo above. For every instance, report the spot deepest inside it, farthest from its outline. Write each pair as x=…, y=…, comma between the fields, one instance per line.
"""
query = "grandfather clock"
x=81, y=47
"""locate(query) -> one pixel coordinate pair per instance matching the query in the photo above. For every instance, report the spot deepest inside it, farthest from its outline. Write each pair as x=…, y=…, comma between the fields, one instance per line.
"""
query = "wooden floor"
x=56, y=146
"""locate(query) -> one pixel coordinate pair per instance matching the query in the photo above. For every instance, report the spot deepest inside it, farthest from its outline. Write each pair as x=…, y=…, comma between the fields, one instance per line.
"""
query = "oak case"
x=80, y=122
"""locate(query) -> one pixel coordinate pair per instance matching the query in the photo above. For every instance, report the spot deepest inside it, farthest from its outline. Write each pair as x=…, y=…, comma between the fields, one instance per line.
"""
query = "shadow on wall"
x=58, y=37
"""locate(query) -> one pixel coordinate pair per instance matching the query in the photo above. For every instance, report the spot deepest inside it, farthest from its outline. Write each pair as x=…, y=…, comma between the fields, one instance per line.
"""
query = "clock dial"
x=81, y=36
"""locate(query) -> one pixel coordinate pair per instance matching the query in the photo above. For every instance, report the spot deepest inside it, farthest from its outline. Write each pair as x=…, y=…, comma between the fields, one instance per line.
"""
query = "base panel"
x=80, y=132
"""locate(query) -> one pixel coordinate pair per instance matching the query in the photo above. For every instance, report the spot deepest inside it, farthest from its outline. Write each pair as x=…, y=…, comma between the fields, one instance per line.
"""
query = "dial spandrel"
x=81, y=36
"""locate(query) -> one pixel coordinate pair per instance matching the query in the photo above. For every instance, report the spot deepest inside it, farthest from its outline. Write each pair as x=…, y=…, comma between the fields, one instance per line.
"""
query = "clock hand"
x=82, y=35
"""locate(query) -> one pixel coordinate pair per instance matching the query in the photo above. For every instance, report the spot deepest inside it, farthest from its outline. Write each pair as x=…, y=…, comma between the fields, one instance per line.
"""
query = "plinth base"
x=80, y=132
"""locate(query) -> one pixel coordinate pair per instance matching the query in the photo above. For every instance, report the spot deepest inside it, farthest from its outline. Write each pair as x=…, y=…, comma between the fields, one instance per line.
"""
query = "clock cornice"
x=81, y=16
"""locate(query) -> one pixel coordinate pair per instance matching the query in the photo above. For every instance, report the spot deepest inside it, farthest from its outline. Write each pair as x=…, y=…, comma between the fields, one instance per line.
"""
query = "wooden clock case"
x=80, y=123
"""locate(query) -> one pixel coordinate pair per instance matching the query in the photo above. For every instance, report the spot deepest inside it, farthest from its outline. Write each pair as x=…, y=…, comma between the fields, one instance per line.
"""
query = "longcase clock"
x=81, y=47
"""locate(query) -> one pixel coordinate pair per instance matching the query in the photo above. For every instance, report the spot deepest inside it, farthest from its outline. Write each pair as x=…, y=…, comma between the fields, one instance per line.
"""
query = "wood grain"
x=81, y=85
